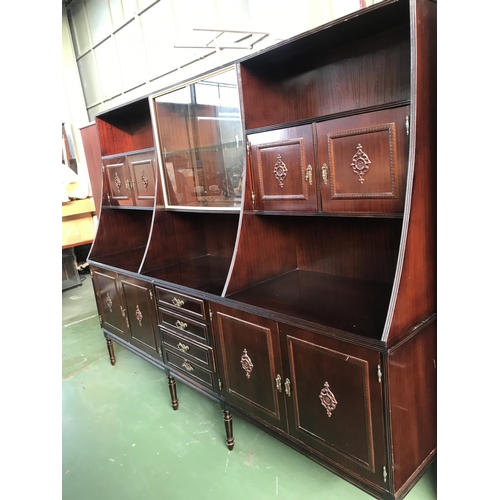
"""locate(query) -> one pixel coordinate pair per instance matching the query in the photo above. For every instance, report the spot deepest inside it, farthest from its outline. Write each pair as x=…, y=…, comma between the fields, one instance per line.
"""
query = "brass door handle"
x=127, y=184
x=278, y=383
x=324, y=173
x=309, y=174
x=288, y=390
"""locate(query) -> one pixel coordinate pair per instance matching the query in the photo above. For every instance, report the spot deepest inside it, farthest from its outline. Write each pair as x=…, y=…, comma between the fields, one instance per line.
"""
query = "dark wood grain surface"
x=347, y=304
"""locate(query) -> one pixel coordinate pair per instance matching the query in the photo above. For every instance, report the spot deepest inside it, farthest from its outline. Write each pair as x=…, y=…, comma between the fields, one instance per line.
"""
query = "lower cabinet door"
x=139, y=304
x=112, y=312
x=334, y=401
x=250, y=364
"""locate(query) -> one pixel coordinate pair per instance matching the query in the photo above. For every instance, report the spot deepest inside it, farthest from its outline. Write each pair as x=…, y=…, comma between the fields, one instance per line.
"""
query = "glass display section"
x=200, y=141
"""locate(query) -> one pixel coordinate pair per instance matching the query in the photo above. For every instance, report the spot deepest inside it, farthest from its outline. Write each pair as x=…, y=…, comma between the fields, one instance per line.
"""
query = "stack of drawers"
x=186, y=338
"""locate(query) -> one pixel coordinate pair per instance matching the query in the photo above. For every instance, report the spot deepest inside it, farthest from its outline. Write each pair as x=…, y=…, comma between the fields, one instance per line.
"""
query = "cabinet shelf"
x=347, y=304
x=128, y=260
x=207, y=273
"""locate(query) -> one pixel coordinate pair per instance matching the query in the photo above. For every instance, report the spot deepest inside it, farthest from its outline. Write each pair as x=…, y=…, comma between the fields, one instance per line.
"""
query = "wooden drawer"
x=175, y=300
x=189, y=368
x=177, y=322
x=201, y=355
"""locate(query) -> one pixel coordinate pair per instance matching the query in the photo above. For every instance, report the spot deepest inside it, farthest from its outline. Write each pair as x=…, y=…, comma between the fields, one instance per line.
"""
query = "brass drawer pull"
x=187, y=366
x=177, y=302
x=182, y=347
x=180, y=324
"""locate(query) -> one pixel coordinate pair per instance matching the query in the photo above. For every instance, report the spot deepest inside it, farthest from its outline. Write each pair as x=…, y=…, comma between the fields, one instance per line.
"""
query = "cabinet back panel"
x=374, y=71
x=354, y=248
x=126, y=129
x=122, y=232
x=358, y=248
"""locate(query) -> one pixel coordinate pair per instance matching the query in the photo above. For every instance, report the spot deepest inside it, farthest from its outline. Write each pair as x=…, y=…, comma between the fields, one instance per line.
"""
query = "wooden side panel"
x=250, y=361
x=413, y=406
x=90, y=140
x=416, y=295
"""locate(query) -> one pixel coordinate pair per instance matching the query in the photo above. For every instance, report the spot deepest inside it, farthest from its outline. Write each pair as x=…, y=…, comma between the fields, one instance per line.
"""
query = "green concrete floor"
x=122, y=440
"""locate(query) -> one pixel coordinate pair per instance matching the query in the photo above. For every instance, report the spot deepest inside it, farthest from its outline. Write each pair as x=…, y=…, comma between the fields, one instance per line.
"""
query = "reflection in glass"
x=201, y=142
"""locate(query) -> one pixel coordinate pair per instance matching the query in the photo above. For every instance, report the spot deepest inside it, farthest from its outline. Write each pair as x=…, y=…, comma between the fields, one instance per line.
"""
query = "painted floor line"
x=80, y=320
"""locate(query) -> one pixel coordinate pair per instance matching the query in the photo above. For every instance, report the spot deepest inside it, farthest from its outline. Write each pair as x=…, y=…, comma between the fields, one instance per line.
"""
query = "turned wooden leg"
x=111, y=351
x=173, y=392
x=228, y=422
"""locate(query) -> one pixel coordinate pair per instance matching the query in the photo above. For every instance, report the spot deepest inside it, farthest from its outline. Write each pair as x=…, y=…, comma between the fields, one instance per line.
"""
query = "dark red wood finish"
x=319, y=314
x=126, y=128
x=141, y=314
x=111, y=308
x=282, y=163
x=362, y=162
x=415, y=296
x=249, y=363
x=92, y=150
x=352, y=75
x=412, y=381
x=335, y=402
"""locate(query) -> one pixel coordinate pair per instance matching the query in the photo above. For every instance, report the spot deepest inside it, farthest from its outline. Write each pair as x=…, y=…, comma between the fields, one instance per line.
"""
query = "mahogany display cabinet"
x=268, y=236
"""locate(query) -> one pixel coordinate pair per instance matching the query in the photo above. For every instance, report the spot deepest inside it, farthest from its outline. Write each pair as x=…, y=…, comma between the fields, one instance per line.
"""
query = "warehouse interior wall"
x=114, y=51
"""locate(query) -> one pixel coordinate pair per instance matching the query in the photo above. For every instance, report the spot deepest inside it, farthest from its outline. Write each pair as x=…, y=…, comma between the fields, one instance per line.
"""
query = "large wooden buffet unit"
x=267, y=236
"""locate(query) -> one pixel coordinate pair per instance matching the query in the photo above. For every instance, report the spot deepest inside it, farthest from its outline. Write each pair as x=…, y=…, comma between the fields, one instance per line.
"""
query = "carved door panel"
x=142, y=169
x=138, y=298
x=334, y=403
x=250, y=363
x=282, y=165
x=363, y=162
x=116, y=170
x=112, y=312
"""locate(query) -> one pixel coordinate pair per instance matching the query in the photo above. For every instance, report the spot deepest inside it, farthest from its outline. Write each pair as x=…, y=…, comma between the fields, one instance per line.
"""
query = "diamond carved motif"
x=360, y=163
x=109, y=302
x=328, y=399
x=246, y=363
x=144, y=180
x=138, y=315
x=118, y=182
x=280, y=171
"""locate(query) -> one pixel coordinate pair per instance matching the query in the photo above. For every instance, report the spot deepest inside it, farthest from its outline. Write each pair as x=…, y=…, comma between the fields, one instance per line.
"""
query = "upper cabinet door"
x=142, y=173
x=119, y=181
x=283, y=173
x=363, y=162
x=334, y=401
x=250, y=363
